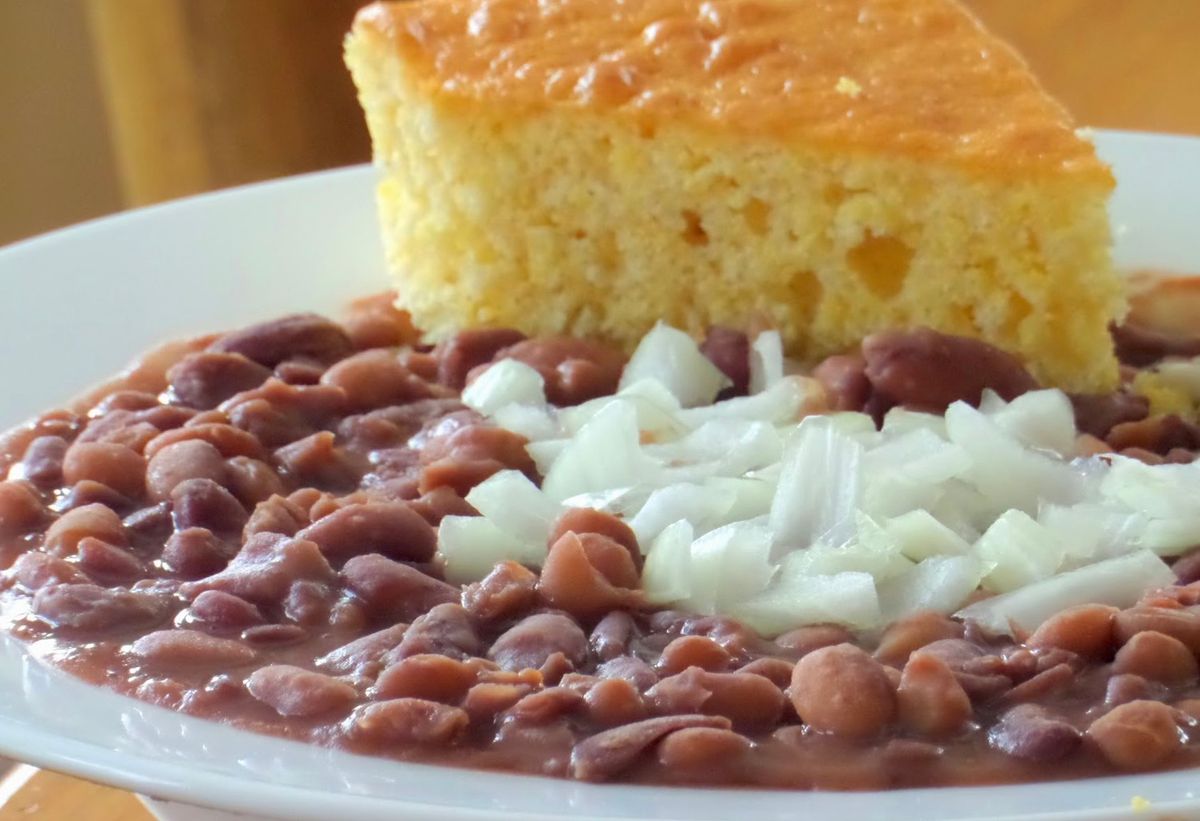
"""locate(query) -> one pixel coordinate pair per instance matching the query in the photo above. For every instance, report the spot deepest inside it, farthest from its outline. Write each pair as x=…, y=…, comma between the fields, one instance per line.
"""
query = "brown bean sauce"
x=246, y=531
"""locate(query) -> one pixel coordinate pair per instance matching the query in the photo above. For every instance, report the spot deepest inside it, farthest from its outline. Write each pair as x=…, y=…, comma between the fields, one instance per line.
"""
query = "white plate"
x=81, y=302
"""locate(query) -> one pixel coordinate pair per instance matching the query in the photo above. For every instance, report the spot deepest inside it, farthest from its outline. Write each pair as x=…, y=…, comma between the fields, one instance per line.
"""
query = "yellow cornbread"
x=828, y=167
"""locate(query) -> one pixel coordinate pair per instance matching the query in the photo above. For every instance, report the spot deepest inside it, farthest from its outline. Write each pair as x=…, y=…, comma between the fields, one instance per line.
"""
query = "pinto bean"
x=906, y=635
x=803, y=640
x=750, y=701
x=844, y=378
x=1156, y=434
x=20, y=509
x=178, y=462
x=363, y=654
x=105, y=561
x=294, y=691
x=397, y=721
x=629, y=668
x=1136, y=736
x=531, y=641
x=693, y=651
x=778, y=671
x=508, y=591
x=376, y=322
x=1086, y=630
x=574, y=370
x=843, y=691
x=316, y=460
x=1126, y=687
x=929, y=700
x=394, y=591
x=459, y=354
x=36, y=570
x=122, y=427
x=1098, y=413
x=1183, y=625
x=219, y=612
x=588, y=575
x=703, y=749
x=614, y=701
x=269, y=343
x=372, y=379
x=206, y=379
x=484, y=701
x=252, y=480
x=42, y=463
x=118, y=466
x=546, y=706
x=1158, y=657
x=582, y=520
x=1043, y=684
x=441, y=502
x=427, y=676
x=265, y=568
x=1033, y=733
x=204, y=503
x=90, y=608
x=276, y=515
x=393, y=529
x=63, y=536
x=86, y=492
x=445, y=629
x=926, y=370
x=173, y=649
x=604, y=755
x=228, y=440
x=193, y=553
x=611, y=635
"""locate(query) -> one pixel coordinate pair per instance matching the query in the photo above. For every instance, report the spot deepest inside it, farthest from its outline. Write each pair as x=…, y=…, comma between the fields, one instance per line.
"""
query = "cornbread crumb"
x=1138, y=804
x=581, y=167
x=849, y=87
x=1164, y=398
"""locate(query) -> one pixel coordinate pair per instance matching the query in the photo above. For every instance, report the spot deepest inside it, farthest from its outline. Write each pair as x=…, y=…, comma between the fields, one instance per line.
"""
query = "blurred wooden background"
x=115, y=103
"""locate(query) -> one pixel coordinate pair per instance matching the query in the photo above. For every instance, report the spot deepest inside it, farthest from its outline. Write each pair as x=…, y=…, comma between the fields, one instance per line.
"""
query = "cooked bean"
x=37, y=570
x=913, y=632
x=42, y=463
x=385, y=724
x=588, y=575
x=1097, y=414
x=574, y=370
x=693, y=651
x=427, y=676
x=585, y=520
x=929, y=700
x=531, y=641
x=844, y=378
x=507, y=592
x=469, y=349
x=441, y=502
x=1128, y=687
x=1158, y=657
x=269, y=343
x=172, y=649
x=926, y=370
x=226, y=439
x=606, y=754
x=364, y=653
x=729, y=350
x=274, y=635
x=803, y=640
x=1156, y=434
x=294, y=691
x=484, y=701
x=445, y=629
x=1033, y=733
x=375, y=378
x=546, y=705
x=121, y=468
x=105, y=561
x=265, y=568
x=394, y=591
x=1086, y=630
x=614, y=701
x=63, y=537
x=204, y=503
x=276, y=515
x=842, y=690
x=1183, y=625
x=393, y=529
x=221, y=612
x=90, y=608
x=122, y=427
x=252, y=480
x=376, y=322
x=86, y=492
x=149, y=523
x=703, y=749
x=316, y=460
x=630, y=668
x=611, y=635
x=178, y=462
x=194, y=552
x=1136, y=736
x=778, y=671
x=1043, y=684
x=206, y=379
x=20, y=509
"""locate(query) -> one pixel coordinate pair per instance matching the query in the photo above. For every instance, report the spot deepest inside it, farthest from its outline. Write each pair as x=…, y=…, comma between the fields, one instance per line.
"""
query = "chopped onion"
x=845, y=598
x=751, y=496
x=546, y=452
x=666, y=576
x=604, y=454
x=672, y=358
x=819, y=487
x=515, y=505
x=1119, y=582
x=918, y=535
x=729, y=565
x=619, y=501
x=472, y=545
x=766, y=361
x=704, y=507
x=506, y=382
x=873, y=551
x=901, y=420
x=1159, y=491
x=534, y=422
x=657, y=410
x=779, y=404
x=1020, y=550
x=939, y=583
x=1041, y=419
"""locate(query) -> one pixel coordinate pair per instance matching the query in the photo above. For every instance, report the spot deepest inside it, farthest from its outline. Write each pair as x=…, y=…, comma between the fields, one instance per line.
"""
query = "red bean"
x=36, y=570
x=393, y=529
x=510, y=590
x=930, y=700
x=530, y=642
x=844, y=378
x=484, y=701
x=364, y=653
x=729, y=350
x=118, y=466
x=294, y=691
x=193, y=553
x=427, y=676
x=206, y=379
x=693, y=651
x=588, y=575
x=63, y=537
x=102, y=560
x=1183, y=625
x=20, y=509
x=614, y=701
x=393, y=591
x=251, y=480
x=913, y=632
x=372, y=379
x=585, y=520
x=843, y=691
x=703, y=749
x=803, y=640
x=178, y=462
x=446, y=629
x=269, y=343
x=90, y=608
x=376, y=322
x=42, y=463
x=173, y=649
x=1033, y=733
x=265, y=568
x=575, y=370
x=221, y=612
x=1136, y=736
x=468, y=349
x=601, y=756
x=316, y=460
x=385, y=724
x=1158, y=657
x=204, y=503
x=1086, y=630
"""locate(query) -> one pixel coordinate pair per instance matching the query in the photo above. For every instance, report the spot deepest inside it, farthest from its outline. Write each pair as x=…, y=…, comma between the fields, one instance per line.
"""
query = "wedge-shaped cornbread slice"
x=829, y=167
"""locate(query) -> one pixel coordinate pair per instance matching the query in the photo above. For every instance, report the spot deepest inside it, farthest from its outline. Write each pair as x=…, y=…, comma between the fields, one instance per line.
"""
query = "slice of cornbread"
x=831, y=167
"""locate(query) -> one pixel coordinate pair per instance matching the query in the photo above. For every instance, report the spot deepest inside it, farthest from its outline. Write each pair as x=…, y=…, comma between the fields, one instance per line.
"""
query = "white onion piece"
x=902, y=420
x=872, y=552
x=766, y=361
x=545, y=453
x=729, y=565
x=1041, y=419
x=846, y=598
x=751, y=496
x=1183, y=375
x=657, y=409
x=506, y=382
x=1089, y=532
x=1170, y=537
x=704, y=507
x=672, y=358
x=1021, y=550
x=1159, y=491
x=939, y=583
x=472, y=545
x=515, y=505
x=1119, y=582
x=920, y=455
x=779, y=404
x=666, y=576
x=991, y=403
x=619, y=501
x=918, y=535
x=820, y=486
x=534, y=422
x=604, y=454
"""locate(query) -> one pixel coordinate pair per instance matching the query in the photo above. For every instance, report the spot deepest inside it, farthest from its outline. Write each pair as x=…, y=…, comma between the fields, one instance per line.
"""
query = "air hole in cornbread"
x=693, y=229
x=881, y=262
x=757, y=215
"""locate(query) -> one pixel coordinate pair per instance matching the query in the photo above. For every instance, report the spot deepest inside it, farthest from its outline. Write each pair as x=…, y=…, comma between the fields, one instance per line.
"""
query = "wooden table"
x=1123, y=63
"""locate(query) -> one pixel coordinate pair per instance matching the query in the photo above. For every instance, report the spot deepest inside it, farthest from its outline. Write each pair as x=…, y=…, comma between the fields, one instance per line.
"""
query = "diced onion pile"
x=759, y=508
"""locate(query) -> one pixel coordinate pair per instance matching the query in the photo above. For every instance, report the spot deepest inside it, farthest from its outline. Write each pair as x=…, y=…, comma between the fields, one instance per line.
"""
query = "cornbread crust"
x=593, y=167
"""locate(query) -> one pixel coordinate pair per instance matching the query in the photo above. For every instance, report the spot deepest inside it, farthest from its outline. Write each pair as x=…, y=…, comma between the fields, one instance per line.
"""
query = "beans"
x=1136, y=736
x=393, y=591
x=228, y=440
x=276, y=515
x=729, y=350
x=750, y=701
x=926, y=370
x=693, y=651
x=37, y=570
x=1156, y=434
x=614, y=701
x=1158, y=657
x=376, y=322
x=630, y=668
x=911, y=633
x=776, y=670
x=702, y=749
x=206, y=379
x=844, y=378
x=439, y=503
x=507, y=592
x=315, y=460
x=427, y=676
x=293, y=691
x=601, y=756
x=265, y=568
x=118, y=466
x=1033, y=733
x=63, y=537
x=1183, y=625
x=20, y=509
x=193, y=553
x=483, y=702
x=445, y=629
x=105, y=561
x=43, y=460
x=574, y=370
x=374, y=378
x=190, y=648
x=1086, y=630
x=803, y=640
x=121, y=427
x=929, y=700
x=1042, y=685
x=363, y=653
x=1097, y=414
x=531, y=641
x=269, y=343
x=178, y=462
x=546, y=705
x=589, y=575
x=221, y=612
x=89, y=608
x=611, y=636
x=843, y=691
x=252, y=480
x=393, y=529
x=204, y=503
x=582, y=520
x=384, y=724
x=469, y=349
